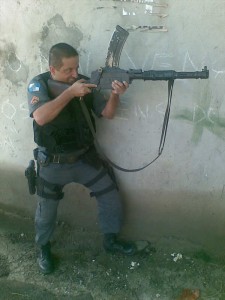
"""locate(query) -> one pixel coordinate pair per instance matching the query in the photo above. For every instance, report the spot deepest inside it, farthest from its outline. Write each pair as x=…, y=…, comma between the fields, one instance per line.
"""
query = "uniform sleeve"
x=37, y=94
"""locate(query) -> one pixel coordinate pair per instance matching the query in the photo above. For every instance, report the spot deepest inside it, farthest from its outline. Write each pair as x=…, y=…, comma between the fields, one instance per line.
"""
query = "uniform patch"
x=34, y=87
x=34, y=100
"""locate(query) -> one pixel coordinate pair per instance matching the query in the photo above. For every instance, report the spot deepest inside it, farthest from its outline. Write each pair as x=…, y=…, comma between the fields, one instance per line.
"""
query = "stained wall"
x=182, y=193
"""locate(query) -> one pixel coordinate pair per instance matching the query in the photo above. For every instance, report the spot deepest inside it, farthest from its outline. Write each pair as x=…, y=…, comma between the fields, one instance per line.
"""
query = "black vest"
x=69, y=131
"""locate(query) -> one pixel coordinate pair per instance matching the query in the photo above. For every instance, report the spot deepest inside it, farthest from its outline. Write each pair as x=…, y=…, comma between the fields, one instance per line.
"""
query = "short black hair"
x=58, y=52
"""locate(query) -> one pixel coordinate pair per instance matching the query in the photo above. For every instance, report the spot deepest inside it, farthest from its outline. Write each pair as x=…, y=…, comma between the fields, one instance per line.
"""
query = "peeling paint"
x=14, y=69
x=55, y=31
x=103, y=7
x=153, y=3
x=128, y=13
x=147, y=28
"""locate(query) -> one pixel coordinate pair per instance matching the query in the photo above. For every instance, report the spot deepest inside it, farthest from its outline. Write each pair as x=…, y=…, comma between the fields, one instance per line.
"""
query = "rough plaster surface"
x=85, y=272
x=182, y=193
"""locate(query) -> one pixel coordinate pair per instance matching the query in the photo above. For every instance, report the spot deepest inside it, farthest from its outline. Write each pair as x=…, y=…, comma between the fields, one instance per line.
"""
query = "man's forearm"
x=110, y=109
x=50, y=110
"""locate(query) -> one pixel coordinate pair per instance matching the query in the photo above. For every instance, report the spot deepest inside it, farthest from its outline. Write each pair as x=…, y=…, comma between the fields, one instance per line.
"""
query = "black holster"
x=38, y=185
x=31, y=175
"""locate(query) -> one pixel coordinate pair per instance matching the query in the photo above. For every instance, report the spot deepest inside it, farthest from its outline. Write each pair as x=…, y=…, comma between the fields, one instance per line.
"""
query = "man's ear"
x=52, y=70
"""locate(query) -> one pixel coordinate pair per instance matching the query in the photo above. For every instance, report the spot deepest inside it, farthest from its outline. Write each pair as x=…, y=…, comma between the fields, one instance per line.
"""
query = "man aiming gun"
x=61, y=102
x=66, y=151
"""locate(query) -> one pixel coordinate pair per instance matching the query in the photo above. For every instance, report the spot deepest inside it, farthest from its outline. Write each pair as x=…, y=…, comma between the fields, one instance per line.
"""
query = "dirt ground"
x=85, y=272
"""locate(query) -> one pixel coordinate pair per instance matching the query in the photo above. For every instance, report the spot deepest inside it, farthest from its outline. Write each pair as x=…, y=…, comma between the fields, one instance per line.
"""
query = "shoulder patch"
x=34, y=100
x=34, y=87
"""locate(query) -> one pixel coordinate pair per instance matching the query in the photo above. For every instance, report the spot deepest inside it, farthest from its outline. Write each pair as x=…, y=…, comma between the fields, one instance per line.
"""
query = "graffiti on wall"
x=11, y=135
x=16, y=71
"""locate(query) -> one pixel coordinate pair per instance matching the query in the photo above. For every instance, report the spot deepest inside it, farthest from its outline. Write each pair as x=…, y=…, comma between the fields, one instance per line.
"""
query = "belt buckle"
x=55, y=159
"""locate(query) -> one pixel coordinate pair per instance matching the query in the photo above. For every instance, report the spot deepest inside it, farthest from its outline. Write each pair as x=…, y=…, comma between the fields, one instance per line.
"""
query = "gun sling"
x=162, y=139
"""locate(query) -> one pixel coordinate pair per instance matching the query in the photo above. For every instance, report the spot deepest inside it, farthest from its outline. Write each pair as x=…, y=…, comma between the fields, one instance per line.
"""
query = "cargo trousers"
x=110, y=212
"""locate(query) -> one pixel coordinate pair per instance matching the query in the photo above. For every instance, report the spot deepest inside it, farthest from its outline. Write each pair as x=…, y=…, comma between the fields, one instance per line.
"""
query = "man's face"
x=68, y=72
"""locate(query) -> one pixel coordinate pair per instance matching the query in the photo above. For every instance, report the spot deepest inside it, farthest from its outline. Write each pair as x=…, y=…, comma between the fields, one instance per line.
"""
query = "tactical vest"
x=69, y=131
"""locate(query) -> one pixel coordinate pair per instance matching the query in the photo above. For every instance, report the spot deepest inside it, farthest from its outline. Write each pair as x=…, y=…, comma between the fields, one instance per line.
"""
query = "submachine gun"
x=103, y=77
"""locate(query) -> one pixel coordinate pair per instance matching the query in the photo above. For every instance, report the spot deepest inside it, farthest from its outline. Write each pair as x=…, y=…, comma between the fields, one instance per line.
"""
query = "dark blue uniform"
x=58, y=173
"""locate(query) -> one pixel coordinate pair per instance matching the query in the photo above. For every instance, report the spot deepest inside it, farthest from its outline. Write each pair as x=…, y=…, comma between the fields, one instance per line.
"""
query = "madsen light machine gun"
x=103, y=78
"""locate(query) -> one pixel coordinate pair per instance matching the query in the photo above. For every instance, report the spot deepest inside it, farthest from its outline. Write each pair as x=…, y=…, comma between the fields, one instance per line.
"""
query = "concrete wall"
x=182, y=193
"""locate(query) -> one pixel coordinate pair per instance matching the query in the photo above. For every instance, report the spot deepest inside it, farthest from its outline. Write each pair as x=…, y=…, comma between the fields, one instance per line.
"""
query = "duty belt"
x=66, y=158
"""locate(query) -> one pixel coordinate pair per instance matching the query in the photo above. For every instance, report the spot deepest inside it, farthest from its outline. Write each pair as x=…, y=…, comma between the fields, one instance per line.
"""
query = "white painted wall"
x=182, y=193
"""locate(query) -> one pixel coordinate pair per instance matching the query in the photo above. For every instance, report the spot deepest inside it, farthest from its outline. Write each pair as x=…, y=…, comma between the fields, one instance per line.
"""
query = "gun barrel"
x=167, y=74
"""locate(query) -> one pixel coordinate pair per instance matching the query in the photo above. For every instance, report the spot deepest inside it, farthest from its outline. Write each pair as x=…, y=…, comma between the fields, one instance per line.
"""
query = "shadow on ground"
x=85, y=272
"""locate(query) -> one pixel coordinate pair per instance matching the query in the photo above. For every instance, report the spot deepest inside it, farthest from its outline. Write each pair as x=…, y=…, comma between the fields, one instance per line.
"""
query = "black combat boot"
x=45, y=260
x=113, y=245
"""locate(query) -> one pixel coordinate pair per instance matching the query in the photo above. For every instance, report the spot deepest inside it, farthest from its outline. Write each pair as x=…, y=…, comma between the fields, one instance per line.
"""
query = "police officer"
x=66, y=152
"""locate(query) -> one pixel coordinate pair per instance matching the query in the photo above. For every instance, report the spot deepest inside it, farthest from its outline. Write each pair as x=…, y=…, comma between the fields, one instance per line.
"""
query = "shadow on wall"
x=186, y=215
x=76, y=208
x=14, y=191
x=149, y=214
